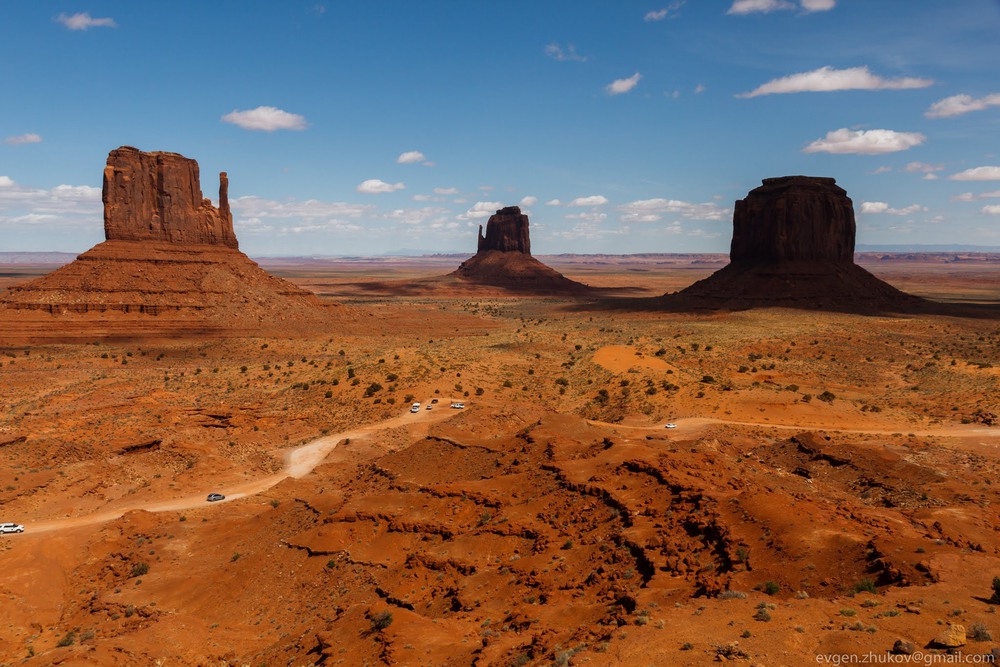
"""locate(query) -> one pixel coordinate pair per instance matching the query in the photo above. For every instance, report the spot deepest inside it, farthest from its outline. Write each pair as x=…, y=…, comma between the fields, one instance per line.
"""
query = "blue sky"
x=363, y=127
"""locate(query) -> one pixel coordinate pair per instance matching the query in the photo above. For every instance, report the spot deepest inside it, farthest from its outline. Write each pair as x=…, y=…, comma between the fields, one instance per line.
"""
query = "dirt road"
x=299, y=462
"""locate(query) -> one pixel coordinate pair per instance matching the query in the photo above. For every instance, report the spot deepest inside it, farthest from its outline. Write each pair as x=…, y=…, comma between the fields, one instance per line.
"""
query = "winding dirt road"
x=299, y=462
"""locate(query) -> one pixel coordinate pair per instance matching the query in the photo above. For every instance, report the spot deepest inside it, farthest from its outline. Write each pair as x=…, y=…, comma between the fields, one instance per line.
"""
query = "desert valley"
x=788, y=458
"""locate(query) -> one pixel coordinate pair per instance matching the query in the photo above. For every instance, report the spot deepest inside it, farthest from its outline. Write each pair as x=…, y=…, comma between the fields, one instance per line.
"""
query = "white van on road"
x=415, y=407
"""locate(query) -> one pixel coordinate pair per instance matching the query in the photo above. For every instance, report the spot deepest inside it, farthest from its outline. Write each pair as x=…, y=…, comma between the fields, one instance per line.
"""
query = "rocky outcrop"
x=157, y=197
x=794, y=218
x=506, y=231
x=169, y=267
x=504, y=260
x=793, y=246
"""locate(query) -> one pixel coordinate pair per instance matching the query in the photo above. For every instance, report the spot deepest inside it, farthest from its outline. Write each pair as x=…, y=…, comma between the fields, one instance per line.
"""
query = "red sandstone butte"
x=157, y=197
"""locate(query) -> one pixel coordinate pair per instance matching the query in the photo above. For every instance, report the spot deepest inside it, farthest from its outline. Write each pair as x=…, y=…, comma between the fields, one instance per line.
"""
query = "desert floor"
x=831, y=484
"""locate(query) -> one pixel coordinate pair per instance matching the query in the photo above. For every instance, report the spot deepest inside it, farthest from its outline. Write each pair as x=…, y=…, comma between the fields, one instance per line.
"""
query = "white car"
x=415, y=407
x=458, y=406
x=11, y=528
x=671, y=425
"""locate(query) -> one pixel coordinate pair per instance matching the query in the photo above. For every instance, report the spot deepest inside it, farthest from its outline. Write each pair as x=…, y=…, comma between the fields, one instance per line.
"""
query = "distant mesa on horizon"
x=503, y=259
x=170, y=265
x=793, y=246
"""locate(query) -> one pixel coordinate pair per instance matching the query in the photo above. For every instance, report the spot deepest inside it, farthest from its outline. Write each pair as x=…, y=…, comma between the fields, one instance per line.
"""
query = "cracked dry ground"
x=547, y=540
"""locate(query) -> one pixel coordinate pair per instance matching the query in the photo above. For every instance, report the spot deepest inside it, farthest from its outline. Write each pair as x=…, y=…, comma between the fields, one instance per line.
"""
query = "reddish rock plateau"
x=170, y=265
x=504, y=259
x=793, y=246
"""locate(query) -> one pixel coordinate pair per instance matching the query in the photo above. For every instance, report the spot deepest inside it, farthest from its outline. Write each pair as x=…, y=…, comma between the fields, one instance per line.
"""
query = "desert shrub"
x=792, y=387
x=762, y=614
x=770, y=588
x=827, y=396
x=381, y=620
x=372, y=388
x=865, y=586
x=732, y=595
x=996, y=591
x=68, y=639
x=139, y=569
x=980, y=633
x=707, y=379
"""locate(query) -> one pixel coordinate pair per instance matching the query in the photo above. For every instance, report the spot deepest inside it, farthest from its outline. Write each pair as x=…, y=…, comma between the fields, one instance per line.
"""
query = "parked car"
x=215, y=497
x=671, y=425
x=458, y=406
x=429, y=407
x=415, y=407
x=434, y=401
x=11, y=528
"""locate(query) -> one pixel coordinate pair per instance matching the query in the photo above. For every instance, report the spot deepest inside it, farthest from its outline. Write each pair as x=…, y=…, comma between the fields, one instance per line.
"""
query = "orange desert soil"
x=830, y=486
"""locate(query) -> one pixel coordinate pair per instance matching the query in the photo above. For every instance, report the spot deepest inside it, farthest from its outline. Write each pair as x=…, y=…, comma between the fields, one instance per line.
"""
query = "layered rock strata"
x=170, y=266
x=504, y=259
x=793, y=246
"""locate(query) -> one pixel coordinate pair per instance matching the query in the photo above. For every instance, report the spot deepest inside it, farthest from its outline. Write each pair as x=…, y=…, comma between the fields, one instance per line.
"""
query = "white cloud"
x=553, y=202
x=965, y=196
x=266, y=119
x=29, y=138
x=767, y=6
x=818, y=5
x=653, y=210
x=977, y=174
x=992, y=210
x=61, y=205
x=699, y=89
x=446, y=191
x=411, y=157
x=592, y=200
x=84, y=21
x=481, y=209
x=879, y=207
x=668, y=12
x=529, y=201
x=865, y=142
x=827, y=79
x=374, y=186
x=995, y=193
x=312, y=209
x=417, y=216
x=957, y=105
x=619, y=86
x=922, y=167
x=557, y=52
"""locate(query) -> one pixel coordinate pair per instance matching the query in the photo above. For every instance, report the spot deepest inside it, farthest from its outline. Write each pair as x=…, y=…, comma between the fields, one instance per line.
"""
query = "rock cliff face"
x=793, y=246
x=794, y=218
x=169, y=267
x=504, y=260
x=506, y=231
x=157, y=197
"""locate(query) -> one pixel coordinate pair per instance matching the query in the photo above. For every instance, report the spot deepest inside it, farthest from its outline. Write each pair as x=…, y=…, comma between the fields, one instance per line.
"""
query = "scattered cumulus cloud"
x=965, y=196
x=29, y=138
x=879, y=207
x=827, y=79
x=768, y=6
x=553, y=202
x=865, y=142
x=446, y=191
x=58, y=206
x=84, y=21
x=529, y=201
x=699, y=89
x=411, y=157
x=374, y=186
x=561, y=54
x=619, y=86
x=977, y=174
x=481, y=209
x=668, y=12
x=956, y=105
x=265, y=119
x=653, y=210
x=993, y=209
x=922, y=167
x=592, y=200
